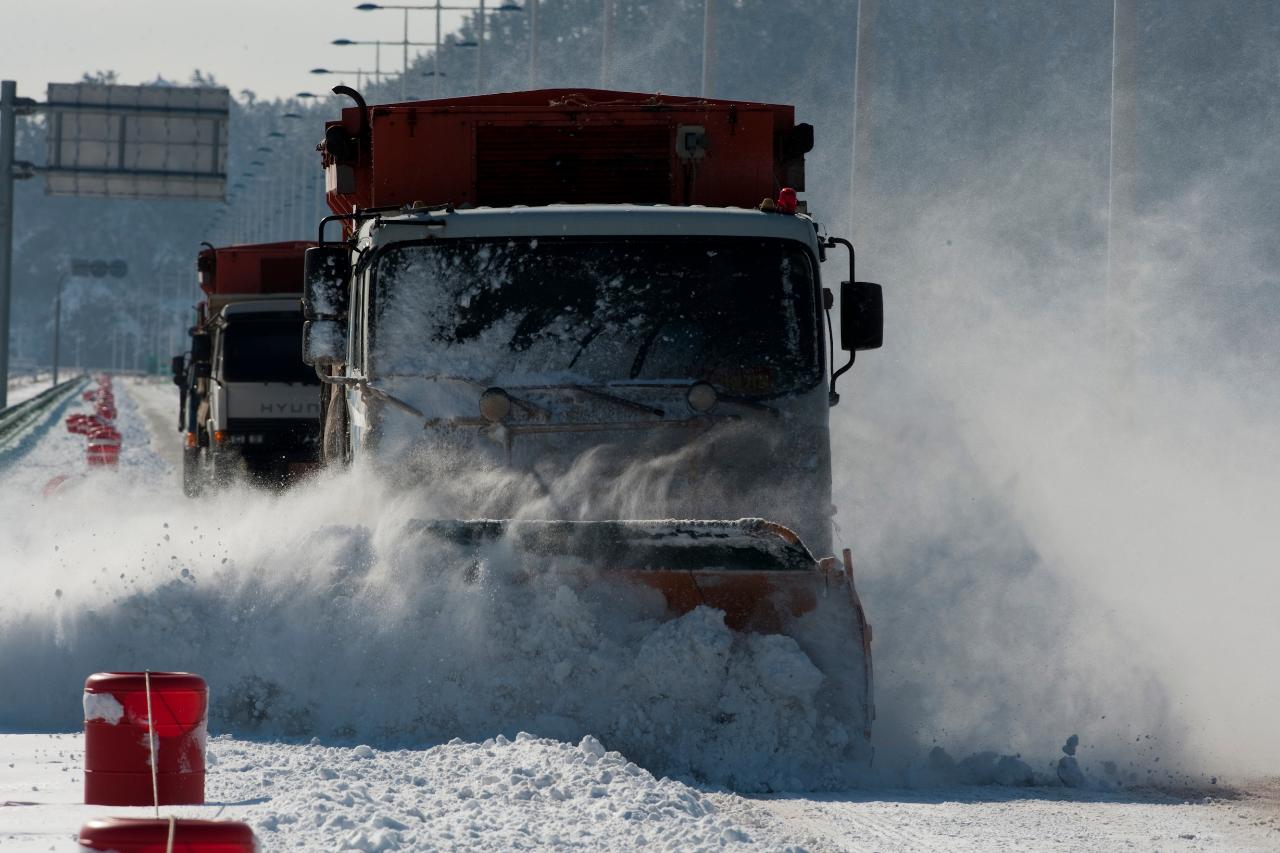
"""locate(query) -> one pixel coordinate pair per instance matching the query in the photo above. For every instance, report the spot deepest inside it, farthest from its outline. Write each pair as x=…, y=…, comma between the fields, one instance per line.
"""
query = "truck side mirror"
x=324, y=342
x=202, y=369
x=326, y=271
x=861, y=316
x=177, y=366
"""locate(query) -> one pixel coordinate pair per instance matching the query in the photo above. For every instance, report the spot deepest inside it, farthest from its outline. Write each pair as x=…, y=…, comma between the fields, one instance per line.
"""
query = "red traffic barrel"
x=134, y=835
x=117, y=756
x=103, y=454
x=104, y=446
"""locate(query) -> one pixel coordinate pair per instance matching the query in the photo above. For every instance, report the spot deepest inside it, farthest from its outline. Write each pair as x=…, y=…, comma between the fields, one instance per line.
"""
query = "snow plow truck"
x=604, y=310
x=249, y=407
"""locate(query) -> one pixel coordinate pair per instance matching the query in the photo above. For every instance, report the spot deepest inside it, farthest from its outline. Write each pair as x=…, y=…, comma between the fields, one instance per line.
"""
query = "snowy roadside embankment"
x=22, y=388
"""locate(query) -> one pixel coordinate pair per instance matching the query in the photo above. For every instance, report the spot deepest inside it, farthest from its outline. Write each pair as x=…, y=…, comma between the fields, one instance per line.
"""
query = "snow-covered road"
x=532, y=793
x=524, y=793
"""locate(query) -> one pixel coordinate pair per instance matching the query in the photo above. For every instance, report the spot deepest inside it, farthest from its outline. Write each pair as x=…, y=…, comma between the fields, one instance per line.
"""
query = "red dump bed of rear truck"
x=258, y=269
x=575, y=146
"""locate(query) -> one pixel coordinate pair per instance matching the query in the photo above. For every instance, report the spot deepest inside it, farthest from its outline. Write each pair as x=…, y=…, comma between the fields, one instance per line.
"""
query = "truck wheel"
x=223, y=469
x=267, y=471
x=193, y=479
x=335, y=436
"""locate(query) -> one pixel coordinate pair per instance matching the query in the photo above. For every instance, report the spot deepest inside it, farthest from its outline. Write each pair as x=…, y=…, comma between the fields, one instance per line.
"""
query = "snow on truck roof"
x=590, y=220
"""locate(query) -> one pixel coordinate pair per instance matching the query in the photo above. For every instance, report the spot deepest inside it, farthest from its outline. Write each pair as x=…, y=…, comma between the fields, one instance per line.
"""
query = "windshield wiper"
x=643, y=352
x=395, y=401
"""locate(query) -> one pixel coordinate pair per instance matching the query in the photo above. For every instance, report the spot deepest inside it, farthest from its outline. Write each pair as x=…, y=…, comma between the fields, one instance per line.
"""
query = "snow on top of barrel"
x=102, y=706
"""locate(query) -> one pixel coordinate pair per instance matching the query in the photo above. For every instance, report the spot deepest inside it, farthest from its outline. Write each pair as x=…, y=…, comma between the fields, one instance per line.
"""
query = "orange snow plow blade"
x=757, y=572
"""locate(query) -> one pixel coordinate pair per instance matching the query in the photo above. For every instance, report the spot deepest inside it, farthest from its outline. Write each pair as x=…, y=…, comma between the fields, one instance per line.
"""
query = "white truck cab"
x=524, y=338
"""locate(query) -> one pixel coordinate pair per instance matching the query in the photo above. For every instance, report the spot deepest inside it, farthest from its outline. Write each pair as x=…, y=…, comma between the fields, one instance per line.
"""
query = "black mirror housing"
x=861, y=316
x=326, y=271
x=202, y=369
x=177, y=366
x=201, y=347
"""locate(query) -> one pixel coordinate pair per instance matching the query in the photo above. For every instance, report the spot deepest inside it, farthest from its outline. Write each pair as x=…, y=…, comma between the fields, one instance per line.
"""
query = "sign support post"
x=8, y=128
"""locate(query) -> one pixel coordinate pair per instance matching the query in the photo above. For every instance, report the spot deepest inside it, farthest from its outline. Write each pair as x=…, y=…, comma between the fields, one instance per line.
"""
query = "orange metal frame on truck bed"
x=575, y=146
x=232, y=273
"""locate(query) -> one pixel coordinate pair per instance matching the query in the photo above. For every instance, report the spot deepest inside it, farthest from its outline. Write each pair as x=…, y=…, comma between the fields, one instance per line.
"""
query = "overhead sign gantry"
x=136, y=141
x=111, y=141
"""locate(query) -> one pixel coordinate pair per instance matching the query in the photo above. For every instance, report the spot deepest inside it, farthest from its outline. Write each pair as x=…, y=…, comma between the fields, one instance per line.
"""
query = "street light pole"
x=1122, y=179
x=57, y=325
x=532, y=5
x=606, y=46
x=708, y=44
x=435, y=57
x=404, y=73
x=8, y=127
x=863, y=62
x=480, y=54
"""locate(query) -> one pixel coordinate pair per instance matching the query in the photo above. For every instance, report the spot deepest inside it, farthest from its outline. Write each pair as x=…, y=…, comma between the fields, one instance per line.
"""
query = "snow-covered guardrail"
x=17, y=419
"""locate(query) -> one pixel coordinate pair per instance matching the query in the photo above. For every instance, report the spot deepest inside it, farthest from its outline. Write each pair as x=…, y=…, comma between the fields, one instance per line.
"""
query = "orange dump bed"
x=578, y=146
x=229, y=273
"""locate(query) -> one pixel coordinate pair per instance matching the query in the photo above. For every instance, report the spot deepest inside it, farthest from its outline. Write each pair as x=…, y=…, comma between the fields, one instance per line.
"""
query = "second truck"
x=250, y=407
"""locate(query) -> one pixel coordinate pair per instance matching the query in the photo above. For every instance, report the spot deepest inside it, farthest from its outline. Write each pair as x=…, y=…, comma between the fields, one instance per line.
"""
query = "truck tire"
x=193, y=477
x=223, y=468
x=335, y=441
x=266, y=471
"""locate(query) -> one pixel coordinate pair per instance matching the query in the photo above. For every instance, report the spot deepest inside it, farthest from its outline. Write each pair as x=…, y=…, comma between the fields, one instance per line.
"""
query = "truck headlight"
x=702, y=397
x=494, y=405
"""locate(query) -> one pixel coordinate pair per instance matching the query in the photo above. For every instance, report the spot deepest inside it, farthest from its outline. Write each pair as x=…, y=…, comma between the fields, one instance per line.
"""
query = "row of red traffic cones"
x=103, y=448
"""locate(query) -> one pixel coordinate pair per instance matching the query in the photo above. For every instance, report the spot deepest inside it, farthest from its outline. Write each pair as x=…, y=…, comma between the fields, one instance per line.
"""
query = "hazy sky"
x=264, y=45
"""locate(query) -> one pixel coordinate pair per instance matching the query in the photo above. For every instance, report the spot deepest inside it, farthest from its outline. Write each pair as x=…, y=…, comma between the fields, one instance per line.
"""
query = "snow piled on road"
x=326, y=612
x=534, y=793
x=526, y=793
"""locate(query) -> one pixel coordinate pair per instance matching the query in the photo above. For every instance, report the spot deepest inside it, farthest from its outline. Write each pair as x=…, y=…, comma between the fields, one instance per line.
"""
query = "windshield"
x=265, y=349
x=737, y=312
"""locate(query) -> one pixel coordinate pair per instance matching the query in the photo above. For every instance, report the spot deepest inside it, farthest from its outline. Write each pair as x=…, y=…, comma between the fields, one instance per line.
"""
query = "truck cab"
x=252, y=407
x=524, y=338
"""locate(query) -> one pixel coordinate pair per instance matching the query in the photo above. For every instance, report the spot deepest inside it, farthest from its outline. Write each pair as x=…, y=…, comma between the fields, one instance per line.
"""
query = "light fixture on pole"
x=359, y=72
x=438, y=7
x=377, y=52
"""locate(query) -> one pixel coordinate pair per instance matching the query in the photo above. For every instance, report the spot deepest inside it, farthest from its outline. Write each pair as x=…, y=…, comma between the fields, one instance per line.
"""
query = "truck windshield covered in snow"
x=264, y=349
x=737, y=312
